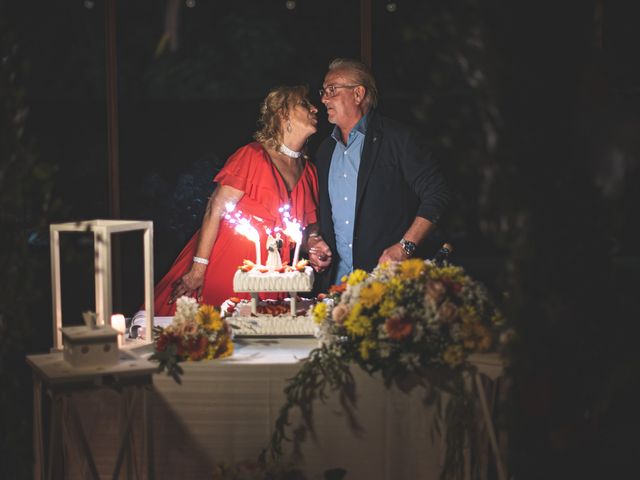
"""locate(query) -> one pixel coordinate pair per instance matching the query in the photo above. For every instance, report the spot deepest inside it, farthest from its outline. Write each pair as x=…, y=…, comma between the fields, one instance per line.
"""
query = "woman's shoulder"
x=250, y=149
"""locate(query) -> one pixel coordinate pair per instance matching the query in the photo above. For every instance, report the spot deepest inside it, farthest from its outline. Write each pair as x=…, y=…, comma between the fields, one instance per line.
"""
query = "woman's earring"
x=289, y=129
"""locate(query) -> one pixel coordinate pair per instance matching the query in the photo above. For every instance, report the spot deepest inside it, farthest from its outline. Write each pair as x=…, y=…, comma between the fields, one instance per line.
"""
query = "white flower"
x=382, y=332
x=410, y=359
x=418, y=331
x=384, y=350
x=186, y=309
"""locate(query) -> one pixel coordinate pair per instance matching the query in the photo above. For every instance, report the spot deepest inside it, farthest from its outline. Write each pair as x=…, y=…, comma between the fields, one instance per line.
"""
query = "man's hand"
x=319, y=254
x=190, y=282
x=395, y=253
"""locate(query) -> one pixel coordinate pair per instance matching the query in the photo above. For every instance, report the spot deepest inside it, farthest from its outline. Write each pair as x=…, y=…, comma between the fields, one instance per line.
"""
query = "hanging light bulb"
x=290, y=4
x=89, y=4
x=391, y=7
x=190, y=3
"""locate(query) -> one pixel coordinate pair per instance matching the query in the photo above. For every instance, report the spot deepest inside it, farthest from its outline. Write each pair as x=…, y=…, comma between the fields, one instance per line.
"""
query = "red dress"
x=249, y=169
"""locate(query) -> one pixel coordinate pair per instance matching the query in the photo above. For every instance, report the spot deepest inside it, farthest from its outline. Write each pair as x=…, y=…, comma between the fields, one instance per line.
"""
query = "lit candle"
x=117, y=322
x=243, y=227
x=293, y=230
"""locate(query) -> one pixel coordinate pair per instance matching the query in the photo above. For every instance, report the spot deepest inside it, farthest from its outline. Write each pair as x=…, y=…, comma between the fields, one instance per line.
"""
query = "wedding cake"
x=273, y=318
x=270, y=317
x=255, y=279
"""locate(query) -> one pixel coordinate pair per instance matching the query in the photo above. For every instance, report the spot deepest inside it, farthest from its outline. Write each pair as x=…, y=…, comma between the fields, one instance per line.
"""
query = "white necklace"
x=288, y=152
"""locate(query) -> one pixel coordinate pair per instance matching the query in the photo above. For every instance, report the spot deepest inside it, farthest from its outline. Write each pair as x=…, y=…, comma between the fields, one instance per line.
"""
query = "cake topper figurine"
x=273, y=250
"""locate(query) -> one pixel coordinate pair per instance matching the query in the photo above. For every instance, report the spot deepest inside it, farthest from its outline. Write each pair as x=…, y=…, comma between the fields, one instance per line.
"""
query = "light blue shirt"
x=343, y=182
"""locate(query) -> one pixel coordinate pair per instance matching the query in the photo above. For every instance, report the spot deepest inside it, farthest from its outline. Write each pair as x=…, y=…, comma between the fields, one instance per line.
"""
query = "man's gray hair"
x=363, y=76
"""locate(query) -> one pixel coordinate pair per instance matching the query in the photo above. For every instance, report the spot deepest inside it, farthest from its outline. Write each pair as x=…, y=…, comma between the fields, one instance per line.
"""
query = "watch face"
x=408, y=247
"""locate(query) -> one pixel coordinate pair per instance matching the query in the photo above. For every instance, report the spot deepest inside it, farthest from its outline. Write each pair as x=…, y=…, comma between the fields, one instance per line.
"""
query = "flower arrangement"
x=197, y=332
x=407, y=316
x=411, y=321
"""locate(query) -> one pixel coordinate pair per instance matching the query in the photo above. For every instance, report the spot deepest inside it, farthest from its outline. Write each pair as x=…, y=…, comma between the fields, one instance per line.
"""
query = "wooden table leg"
x=125, y=436
x=148, y=431
x=82, y=440
x=38, y=447
x=502, y=473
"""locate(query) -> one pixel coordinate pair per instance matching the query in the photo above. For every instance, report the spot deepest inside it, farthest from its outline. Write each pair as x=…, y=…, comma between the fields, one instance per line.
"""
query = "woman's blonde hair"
x=273, y=109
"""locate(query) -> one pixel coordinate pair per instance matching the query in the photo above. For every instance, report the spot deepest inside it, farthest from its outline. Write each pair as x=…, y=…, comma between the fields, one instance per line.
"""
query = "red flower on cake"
x=247, y=266
x=301, y=265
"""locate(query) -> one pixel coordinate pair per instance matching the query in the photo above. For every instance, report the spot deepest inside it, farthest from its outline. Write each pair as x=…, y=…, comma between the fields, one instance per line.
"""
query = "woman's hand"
x=190, y=282
x=319, y=253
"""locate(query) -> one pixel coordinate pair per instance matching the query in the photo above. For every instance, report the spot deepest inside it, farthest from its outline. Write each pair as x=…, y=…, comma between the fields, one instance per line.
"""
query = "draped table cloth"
x=225, y=410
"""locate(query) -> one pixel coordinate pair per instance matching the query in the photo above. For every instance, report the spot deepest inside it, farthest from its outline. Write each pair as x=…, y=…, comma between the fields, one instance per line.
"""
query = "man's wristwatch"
x=408, y=247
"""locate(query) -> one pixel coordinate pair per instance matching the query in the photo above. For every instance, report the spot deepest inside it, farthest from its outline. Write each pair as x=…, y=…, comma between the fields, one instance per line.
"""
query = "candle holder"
x=102, y=231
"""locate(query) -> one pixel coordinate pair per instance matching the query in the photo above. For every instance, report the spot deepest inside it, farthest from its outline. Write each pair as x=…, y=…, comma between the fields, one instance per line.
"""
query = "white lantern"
x=102, y=231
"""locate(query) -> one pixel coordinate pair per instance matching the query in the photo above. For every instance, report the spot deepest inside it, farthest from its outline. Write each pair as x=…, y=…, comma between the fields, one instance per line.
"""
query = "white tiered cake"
x=271, y=318
x=260, y=280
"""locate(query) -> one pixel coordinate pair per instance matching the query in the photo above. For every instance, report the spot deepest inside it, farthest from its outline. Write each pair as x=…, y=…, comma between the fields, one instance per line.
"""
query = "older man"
x=381, y=194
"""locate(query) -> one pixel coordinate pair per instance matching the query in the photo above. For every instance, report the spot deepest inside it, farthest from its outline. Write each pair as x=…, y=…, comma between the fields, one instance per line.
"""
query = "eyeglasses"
x=332, y=90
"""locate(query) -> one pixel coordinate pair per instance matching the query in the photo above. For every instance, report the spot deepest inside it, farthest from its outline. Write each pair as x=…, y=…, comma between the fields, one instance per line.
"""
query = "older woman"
x=258, y=179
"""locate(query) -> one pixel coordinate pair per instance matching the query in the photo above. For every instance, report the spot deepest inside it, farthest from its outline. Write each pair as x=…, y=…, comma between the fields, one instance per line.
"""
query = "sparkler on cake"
x=255, y=278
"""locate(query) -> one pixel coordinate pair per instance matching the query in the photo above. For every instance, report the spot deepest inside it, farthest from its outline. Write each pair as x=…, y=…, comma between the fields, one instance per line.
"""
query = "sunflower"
x=209, y=317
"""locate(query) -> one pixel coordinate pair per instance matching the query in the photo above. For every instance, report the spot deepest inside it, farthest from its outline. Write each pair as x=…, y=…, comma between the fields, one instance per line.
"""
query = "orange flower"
x=338, y=288
x=398, y=328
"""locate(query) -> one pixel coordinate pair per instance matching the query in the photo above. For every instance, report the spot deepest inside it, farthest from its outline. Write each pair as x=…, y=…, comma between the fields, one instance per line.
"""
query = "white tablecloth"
x=224, y=411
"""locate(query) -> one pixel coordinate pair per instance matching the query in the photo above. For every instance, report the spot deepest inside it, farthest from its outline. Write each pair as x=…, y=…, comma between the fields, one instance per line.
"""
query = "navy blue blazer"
x=398, y=180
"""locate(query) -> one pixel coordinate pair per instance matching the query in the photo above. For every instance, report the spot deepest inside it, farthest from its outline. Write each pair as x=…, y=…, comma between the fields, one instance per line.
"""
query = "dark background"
x=532, y=107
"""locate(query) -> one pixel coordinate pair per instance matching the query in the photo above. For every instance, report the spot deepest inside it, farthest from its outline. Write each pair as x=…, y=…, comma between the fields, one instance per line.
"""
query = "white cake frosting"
x=244, y=324
x=271, y=281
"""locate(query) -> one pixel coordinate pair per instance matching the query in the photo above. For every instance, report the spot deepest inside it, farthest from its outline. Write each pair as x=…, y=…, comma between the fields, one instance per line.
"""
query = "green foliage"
x=26, y=201
x=169, y=360
x=327, y=371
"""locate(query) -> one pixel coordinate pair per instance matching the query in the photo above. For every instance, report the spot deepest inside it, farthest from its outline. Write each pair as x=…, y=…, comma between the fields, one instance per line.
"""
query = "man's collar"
x=360, y=127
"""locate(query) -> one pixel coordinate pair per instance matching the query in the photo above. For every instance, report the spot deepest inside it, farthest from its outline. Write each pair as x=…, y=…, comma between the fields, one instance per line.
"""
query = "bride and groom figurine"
x=274, y=244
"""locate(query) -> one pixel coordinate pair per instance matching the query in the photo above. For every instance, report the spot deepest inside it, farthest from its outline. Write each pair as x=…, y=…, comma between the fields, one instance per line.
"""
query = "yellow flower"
x=319, y=312
x=497, y=318
x=483, y=337
x=468, y=314
x=356, y=277
x=209, y=317
x=450, y=272
x=372, y=293
x=411, y=269
x=357, y=324
x=221, y=349
x=396, y=287
x=453, y=355
x=365, y=347
x=387, y=307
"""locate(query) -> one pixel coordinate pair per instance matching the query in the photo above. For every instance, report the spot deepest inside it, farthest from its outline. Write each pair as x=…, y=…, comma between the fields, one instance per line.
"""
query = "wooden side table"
x=133, y=378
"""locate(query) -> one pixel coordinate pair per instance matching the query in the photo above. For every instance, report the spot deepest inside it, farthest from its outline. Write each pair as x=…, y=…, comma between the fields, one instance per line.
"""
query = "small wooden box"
x=90, y=347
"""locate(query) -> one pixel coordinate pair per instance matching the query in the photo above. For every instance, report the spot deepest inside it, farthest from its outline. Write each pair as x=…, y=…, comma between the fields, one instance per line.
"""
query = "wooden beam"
x=111, y=68
x=365, y=32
